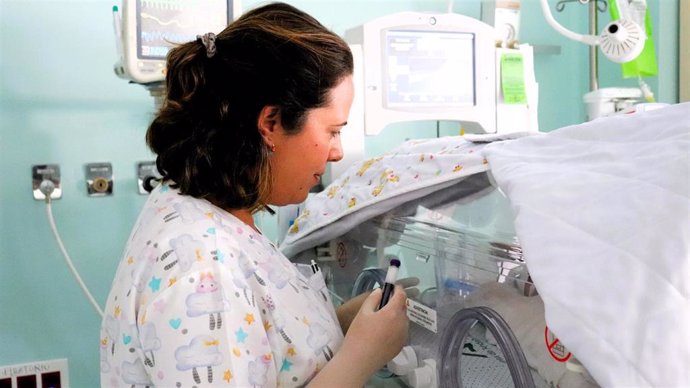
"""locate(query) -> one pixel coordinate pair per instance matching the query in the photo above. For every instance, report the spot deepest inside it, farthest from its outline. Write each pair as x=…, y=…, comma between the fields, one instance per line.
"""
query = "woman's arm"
x=348, y=310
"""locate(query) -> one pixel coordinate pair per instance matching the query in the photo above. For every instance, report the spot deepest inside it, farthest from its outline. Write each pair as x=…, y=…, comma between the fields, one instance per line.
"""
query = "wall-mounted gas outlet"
x=45, y=179
x=99, y=179
x=148, y=177
x=39, y=374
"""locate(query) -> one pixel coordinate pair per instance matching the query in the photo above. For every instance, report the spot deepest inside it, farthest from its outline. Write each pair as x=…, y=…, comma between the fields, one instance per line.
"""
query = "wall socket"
x=99, y=179
x=39, y=374
x=46, y=178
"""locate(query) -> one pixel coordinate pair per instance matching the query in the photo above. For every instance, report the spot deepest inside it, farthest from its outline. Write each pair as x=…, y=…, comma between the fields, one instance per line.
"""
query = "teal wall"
x=61, y=103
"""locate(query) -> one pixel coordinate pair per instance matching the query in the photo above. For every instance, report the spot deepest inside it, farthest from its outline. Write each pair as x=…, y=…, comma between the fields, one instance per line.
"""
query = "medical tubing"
x=646, y=90
x=367, y=280
x=53, y=227
x=451, y=346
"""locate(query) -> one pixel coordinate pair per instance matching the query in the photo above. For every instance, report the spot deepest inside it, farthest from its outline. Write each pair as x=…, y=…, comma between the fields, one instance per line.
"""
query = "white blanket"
x=603, y=215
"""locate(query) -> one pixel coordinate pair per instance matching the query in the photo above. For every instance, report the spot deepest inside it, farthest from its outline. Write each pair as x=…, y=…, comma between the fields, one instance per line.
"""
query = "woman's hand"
x=373, y=338
x=347, y=312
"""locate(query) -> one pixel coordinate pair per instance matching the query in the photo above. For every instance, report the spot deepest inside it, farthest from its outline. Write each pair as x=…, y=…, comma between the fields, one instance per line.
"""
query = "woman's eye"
x=335, y=133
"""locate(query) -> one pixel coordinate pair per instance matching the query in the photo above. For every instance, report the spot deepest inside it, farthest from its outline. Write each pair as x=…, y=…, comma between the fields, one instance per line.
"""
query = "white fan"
x=621, y=40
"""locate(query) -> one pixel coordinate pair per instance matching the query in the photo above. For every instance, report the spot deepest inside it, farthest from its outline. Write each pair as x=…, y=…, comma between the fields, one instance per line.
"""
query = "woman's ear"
x=269, y=123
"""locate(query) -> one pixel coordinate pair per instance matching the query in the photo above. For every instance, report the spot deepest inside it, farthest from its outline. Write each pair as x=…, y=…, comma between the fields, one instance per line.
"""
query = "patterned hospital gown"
x=201, y=299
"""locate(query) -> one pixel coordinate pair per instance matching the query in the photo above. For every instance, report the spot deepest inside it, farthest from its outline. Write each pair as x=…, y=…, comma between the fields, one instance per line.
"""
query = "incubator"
x=477, y=320
x=435, y=204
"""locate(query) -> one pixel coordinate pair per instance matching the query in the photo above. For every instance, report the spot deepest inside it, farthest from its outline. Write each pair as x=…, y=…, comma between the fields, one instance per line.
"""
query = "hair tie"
x=209, y=41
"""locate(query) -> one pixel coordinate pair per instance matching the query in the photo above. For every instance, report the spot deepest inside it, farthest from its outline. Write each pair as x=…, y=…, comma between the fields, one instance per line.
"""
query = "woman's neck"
x=245, y=216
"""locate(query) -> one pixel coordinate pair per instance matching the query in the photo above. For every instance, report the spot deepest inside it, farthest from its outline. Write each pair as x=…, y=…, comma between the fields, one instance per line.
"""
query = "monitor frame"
x=146, y=70
x=371, y=36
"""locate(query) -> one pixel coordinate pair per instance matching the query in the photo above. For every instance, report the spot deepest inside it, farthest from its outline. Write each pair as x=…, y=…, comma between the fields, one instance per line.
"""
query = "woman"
x=201, y=297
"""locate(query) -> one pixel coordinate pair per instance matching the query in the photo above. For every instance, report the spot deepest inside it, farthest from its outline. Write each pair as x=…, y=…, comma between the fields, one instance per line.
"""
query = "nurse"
x=201, y=298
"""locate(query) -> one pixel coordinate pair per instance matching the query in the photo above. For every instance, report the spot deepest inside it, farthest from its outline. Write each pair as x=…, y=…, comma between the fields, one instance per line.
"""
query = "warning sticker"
x=422, y=315
x=555, y=347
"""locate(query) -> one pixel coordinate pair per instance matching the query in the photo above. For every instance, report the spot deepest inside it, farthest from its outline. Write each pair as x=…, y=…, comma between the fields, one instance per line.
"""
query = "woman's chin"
x=294, y=199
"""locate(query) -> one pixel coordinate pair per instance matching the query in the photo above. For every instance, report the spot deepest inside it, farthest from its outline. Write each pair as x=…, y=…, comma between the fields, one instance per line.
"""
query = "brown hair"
x=206, y=135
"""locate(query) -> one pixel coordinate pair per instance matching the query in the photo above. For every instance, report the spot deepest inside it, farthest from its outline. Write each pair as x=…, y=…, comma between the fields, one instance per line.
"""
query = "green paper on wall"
x=645, y=64
x=513, y=79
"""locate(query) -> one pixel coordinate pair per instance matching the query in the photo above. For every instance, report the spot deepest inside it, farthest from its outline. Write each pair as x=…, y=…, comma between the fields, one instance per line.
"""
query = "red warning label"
x=555, y=347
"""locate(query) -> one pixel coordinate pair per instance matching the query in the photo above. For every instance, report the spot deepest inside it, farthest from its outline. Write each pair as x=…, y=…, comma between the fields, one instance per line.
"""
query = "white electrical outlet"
x=39, y=374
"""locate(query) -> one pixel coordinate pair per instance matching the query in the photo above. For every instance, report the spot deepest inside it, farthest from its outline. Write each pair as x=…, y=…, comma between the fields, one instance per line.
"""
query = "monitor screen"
x=428, y=69
x=161, y=24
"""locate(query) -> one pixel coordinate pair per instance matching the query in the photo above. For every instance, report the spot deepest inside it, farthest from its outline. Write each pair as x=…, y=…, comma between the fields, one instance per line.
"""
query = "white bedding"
x=603, y=215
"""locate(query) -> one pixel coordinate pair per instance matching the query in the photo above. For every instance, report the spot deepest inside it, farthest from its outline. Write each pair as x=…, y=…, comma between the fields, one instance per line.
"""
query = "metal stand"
x=595, y=6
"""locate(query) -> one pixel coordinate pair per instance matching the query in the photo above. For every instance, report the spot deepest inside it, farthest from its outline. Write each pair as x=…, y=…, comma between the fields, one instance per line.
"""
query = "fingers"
x=408, y=282
x=412, y=292
x=399, y=298
x=371, y=303
x=399, y=290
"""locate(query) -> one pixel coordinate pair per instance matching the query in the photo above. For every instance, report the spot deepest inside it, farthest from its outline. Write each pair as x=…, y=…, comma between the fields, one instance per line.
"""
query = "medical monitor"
x=419, y=66
x=427, y=69
x=150, y=28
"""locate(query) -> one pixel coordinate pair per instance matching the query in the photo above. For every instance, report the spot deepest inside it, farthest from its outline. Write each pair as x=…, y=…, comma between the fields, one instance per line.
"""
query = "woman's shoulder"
x=189, y=231
x=168, y=213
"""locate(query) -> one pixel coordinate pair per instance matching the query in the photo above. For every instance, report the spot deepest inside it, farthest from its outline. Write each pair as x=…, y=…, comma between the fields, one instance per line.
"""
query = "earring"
x=273, y=148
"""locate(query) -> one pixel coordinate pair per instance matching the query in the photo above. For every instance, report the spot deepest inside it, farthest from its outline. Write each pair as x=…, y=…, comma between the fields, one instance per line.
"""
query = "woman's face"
x=299, y=160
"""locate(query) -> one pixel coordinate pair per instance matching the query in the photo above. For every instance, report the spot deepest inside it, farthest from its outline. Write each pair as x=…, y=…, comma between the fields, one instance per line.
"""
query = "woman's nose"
x=336, y=153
